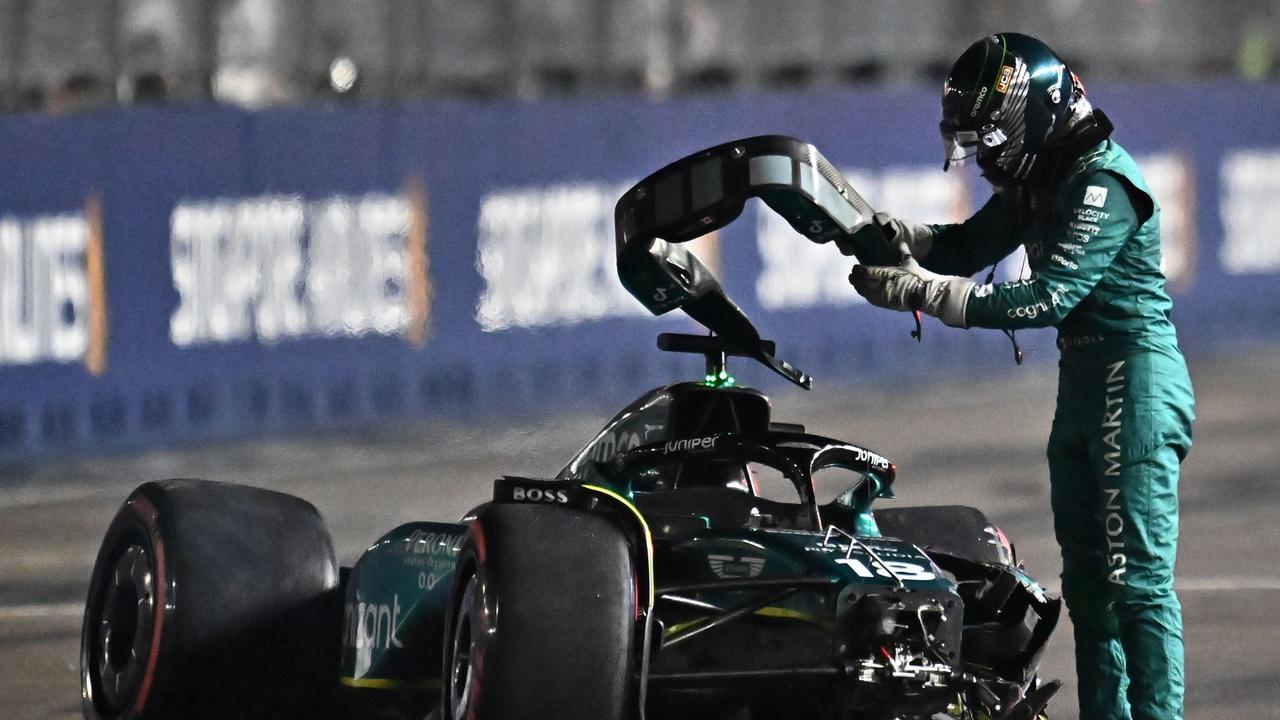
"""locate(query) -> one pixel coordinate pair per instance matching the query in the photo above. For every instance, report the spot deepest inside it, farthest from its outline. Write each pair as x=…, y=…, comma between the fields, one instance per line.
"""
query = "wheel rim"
x=462, y=667
x=125, y=619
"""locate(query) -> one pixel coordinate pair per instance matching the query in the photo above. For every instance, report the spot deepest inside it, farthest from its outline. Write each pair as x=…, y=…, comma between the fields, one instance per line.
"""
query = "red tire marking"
x=150, y=517
x=480, y=622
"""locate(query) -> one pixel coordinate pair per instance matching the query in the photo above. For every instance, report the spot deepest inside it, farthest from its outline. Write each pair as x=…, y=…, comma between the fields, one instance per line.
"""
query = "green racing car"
x=661, y=573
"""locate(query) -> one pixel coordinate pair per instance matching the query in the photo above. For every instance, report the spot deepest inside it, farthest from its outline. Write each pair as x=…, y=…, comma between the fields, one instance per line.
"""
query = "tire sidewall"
x=504, y=551
x=247, y=613
x=138, y=521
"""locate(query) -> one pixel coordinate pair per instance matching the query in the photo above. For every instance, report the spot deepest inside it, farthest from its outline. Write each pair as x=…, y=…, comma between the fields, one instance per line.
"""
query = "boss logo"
x=535, y=495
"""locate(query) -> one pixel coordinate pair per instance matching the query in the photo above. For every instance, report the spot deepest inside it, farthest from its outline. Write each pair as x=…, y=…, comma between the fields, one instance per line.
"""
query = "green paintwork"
x=395, y=605
x=642, y=422
x=773, y=553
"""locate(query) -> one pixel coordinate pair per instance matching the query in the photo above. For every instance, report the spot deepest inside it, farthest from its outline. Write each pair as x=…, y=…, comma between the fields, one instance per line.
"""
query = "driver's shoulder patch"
x=1095, y=195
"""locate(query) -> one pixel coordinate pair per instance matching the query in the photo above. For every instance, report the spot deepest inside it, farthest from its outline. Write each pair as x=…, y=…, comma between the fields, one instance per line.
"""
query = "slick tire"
x=542, y=623
x=211, y=600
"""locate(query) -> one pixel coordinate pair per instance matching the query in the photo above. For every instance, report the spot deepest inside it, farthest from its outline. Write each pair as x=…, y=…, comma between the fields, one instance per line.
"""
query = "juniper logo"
x=1095, y=196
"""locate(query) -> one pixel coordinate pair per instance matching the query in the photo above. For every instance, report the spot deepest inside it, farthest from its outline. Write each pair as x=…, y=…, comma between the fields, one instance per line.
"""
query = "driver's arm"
x=951, y=249
x=1079, y=253
x=965, y=248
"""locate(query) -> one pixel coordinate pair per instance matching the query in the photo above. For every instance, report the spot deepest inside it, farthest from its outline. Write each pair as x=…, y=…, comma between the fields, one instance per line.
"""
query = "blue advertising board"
x=178, y=274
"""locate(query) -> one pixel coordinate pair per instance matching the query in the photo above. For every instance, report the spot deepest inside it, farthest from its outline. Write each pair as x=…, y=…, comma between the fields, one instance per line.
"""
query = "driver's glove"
x=910, y=287
x=887, y=240
x=904, y=238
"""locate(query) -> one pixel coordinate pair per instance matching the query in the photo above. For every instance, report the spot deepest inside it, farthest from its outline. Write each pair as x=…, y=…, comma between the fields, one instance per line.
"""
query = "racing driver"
x=1070, y=195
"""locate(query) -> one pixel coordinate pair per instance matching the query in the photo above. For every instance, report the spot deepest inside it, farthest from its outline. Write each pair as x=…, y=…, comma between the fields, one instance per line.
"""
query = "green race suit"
x=1124, y=414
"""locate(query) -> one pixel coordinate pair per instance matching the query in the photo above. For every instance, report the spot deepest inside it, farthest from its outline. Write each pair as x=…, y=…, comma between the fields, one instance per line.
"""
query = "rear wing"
x=706, y=191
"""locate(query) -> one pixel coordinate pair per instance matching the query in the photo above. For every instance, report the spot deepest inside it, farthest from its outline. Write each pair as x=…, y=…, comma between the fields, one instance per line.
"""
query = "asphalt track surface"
x=979, y=444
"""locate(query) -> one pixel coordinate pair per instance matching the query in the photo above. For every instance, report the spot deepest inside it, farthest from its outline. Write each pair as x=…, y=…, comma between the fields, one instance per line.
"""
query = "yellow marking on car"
x=390, y=684
x=770, y=612
x=648, y=535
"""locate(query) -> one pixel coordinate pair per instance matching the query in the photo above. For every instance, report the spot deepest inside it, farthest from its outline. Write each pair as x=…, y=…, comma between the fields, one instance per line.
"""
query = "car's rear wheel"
x=211, y=600
x=542, y=625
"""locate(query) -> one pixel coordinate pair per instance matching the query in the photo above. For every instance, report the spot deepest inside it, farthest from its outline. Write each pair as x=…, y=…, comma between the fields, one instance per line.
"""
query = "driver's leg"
x=1144, y=434
x=1075, y=498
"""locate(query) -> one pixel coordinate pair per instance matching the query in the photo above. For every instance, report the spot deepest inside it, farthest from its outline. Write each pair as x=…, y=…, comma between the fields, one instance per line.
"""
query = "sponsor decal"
x=689, y=444
x=520, y=493
x=897, y=558
x=546, y=257
x=1064, y=262
x=1095, y=195
x=1006, y=76
x=435, y=554
x=1034, y=310
x=1074, y=341
x=1171, y=178
x=907, y=571
x=274, y=268
x=1250, y=184
x=1112, y=425
x=618, y=441
x=48, y=288
x=372, y=626
x=1091, y=216
x=977, y=103
x=728, y=566
x=874, y=460
x=430, y=543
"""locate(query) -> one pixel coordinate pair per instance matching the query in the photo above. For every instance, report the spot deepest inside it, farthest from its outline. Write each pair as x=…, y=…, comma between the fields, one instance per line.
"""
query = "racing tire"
x=543, y=619
x=211, y=600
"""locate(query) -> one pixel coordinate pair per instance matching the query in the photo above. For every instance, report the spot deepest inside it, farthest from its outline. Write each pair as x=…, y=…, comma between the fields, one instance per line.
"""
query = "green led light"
x=729, y=381
x=724, y=374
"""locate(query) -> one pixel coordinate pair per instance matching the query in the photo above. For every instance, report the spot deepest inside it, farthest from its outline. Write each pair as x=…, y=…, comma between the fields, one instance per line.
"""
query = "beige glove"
x=907, y=238
x=910, y=287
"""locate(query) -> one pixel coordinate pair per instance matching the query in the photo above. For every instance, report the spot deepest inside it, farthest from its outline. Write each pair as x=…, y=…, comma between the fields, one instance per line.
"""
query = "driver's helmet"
x=1007, y=99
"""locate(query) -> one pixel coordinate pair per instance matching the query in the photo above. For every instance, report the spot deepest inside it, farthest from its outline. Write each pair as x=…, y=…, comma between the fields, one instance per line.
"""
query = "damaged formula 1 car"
x=658, y=575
